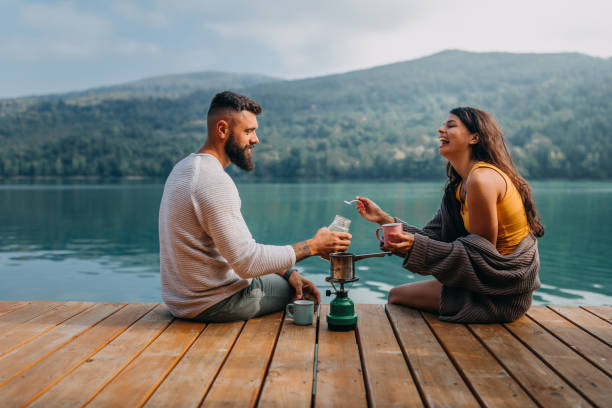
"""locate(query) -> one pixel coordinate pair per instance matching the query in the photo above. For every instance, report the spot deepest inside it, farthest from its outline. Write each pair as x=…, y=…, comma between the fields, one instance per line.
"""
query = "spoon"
x=350, y=202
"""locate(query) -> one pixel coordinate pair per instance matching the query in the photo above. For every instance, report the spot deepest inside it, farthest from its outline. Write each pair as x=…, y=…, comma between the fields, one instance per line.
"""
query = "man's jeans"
x=266, y=294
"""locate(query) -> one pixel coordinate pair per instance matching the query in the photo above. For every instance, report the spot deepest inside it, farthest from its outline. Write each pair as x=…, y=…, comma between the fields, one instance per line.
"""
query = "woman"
x=480, y=245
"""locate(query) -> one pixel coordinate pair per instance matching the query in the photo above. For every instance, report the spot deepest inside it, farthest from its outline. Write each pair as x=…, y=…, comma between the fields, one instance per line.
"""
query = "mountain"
x=170, y=86
x=555, y=109
x=167, y=86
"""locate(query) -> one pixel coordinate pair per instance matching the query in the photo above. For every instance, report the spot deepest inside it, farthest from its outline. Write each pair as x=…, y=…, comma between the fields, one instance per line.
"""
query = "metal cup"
x=301, y=311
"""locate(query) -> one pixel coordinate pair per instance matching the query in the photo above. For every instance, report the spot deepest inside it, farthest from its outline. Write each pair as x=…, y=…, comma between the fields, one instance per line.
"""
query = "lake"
x=77, y=240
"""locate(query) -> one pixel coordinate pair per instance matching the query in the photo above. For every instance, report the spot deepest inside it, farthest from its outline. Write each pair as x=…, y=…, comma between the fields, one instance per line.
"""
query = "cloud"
x=340, y=14
x=297, y=39
x=152, y=16
x=60, y=31
x=131, y=48
x=194, y=60
x=65, y=20
x=306, y=39
x=288, y=39
x=281, y=38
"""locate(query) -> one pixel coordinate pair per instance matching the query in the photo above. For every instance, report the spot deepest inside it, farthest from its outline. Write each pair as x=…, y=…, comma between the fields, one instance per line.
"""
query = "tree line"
x=556, y=112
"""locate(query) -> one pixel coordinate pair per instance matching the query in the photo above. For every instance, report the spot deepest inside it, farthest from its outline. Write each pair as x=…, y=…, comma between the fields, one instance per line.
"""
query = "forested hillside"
x=555, y=109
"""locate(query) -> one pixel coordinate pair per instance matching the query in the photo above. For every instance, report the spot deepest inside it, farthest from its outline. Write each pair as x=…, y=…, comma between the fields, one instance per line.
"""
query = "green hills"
x=380, y=123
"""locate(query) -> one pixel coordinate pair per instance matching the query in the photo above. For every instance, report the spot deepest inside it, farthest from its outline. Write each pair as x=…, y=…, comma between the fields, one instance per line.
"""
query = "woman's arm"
x=432, y=229
x=369, y=210
x=485, y=189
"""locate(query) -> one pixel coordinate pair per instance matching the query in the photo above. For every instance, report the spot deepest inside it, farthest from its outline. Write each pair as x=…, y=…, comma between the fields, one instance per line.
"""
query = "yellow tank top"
x=512, y=225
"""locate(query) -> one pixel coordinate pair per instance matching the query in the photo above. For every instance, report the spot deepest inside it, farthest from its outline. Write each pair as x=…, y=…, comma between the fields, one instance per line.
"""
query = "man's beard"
x=238, y=155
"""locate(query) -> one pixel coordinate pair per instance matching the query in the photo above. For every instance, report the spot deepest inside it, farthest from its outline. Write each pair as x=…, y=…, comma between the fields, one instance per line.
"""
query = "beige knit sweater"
x=207, y=252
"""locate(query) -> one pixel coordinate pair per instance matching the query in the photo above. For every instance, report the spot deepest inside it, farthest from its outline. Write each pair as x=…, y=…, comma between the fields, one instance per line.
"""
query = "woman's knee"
x=395, y=295
x=421, y=295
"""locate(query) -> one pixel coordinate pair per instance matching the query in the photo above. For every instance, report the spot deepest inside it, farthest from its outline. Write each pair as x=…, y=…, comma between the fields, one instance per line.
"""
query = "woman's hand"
x=400, y=243
x=372, y=212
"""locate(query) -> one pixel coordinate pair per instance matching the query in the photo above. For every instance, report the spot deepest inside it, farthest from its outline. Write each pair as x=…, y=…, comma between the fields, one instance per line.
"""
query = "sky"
x=59, y=46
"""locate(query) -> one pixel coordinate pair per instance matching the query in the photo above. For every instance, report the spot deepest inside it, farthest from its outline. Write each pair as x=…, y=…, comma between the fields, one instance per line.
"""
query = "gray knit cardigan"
x=478, y=284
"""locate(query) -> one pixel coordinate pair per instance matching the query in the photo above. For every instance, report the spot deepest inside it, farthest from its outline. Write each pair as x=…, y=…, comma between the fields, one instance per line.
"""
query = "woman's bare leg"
x=423, y=295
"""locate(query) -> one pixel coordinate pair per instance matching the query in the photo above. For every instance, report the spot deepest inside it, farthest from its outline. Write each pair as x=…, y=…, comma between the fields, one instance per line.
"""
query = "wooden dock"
x=55, y=354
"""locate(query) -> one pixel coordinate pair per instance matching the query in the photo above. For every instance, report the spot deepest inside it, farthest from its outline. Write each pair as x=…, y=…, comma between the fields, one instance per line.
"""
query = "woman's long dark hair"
x=492, y=149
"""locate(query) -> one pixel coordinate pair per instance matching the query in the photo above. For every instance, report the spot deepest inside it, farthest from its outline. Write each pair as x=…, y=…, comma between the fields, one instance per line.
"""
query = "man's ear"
x=222, y=129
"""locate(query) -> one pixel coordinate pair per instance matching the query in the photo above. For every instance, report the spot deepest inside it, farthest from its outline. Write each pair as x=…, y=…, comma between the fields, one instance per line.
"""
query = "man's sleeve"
x=219, y=214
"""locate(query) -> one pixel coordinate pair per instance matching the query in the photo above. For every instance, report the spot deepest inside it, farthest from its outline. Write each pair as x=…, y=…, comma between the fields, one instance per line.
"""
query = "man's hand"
x=304, y=288
x=325, y=242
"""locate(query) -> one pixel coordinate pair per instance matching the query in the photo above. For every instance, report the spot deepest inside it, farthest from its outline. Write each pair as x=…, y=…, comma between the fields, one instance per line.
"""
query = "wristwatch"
x=288, y=273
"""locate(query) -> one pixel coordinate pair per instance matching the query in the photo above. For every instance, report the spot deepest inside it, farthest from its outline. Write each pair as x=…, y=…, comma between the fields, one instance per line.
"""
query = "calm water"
x=98, y=242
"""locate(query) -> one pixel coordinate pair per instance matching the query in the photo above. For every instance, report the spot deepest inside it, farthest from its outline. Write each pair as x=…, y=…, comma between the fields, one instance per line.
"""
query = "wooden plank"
x=542, y=383
x=387, y=375
x=27, y=331
x=241, y=377
x=339, y=381
x=590, y=382
x=21, y=359
x=488, y=379
x=440, y=383
x=33, y=382
x=587, y=321
x=289, y=379
x=133, y=386
x=28, y=312
x=192, y=377
x=7, y=307
x=583, y=343
x=83, y=383
x=603, y=312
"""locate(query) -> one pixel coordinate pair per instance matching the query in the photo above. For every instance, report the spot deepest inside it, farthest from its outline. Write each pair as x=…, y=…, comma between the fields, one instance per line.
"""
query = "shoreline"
x=271, y=179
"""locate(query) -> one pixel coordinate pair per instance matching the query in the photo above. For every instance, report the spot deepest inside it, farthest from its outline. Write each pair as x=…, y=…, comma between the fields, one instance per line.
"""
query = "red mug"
x=395, y=227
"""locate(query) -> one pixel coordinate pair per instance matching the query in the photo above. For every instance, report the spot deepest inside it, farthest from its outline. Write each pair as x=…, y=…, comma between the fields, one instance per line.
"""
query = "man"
x=212, y=270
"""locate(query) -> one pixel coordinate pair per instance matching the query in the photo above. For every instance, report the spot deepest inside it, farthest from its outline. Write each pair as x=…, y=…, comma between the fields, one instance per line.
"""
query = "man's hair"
x=233, y=101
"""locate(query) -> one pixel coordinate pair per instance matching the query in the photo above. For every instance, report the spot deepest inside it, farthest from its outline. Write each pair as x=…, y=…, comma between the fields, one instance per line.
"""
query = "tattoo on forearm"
x=302, y=250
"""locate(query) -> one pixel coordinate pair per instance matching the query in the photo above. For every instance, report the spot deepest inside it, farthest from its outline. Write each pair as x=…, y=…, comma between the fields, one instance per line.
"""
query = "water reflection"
x=88, y=241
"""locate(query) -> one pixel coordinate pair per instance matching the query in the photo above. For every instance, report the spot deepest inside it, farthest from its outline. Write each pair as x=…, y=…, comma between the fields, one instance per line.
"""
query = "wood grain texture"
x=590, y=382
x=603, y=312
x=112, y=354
x=540, y=381
x=339, y=375
x=84, y=382
x=386, y=371
x=289, y=379
x=16, y=318
x=437, y=377
x=192, y=377
x=242, y=375
x=489, y=380
x=578, y=340
x=19, y=360
x=33, y=382
x=27, y=331
x=587, y=321
x=7, y=307
x=133, y=386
